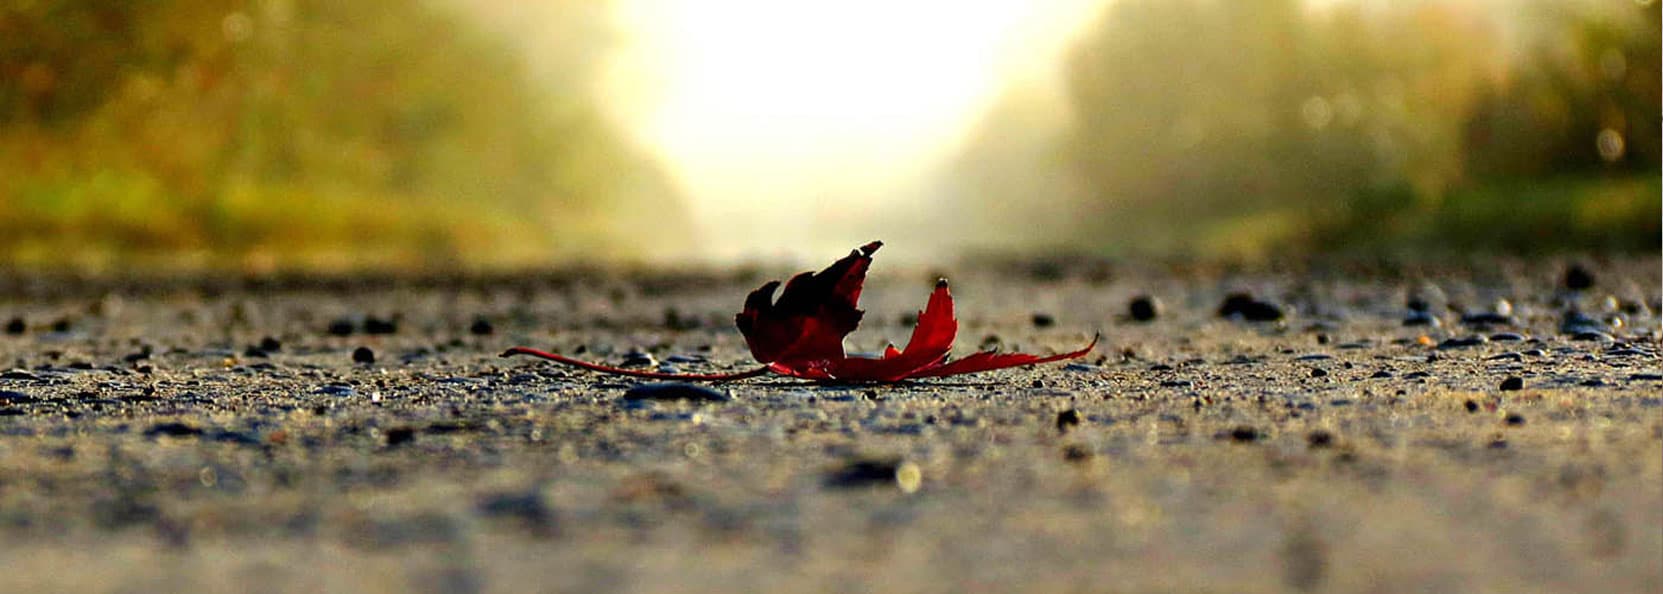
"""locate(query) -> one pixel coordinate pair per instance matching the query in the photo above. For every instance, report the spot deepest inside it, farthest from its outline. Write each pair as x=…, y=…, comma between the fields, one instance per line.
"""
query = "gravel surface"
x=1342, y=431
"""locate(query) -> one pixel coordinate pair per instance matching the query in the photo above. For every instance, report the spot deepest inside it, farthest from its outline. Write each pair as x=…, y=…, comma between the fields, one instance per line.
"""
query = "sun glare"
x=787, y=123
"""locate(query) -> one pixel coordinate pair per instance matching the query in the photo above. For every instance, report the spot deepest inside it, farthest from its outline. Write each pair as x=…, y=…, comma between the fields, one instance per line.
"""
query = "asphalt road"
x=194, y=434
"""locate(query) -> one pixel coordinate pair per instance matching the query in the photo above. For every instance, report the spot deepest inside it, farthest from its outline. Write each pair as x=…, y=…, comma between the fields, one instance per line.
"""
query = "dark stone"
x=363, y=355
x=62, y=325
x=16, y=326
x=270, y=345
x=1319, y=438
x=18, y=374
x=1514, y=419
x=342, y=327
x=1507, y=337
x=1578, y=278
x=1422, y=318
x=1464, y=342
x=1044, y=320
x=1382, y=374
x=398, y=436
x=11, y=397
x=336, y=390
x=1472, y=406
x=1419, y=304
x=1575, y=322
x=1244, y=306
x=172, y=429
x=1067, y=419
x=374, y=325
x=872, y=472
x=1319, y=372
x=675, y=391
x=1144, y=308
x=481, y=327
x=638, y=359
x=1244, y=433
x=526, y=508
x=1487, y=318
x=1076, y=453
x=255, y=352
x=1512, y=383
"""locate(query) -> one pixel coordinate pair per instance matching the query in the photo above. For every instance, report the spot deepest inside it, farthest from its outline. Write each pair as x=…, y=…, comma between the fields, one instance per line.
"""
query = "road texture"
x=301, y=435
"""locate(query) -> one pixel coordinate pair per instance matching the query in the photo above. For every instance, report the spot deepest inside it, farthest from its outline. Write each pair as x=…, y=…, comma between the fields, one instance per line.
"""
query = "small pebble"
x=1076, y=453
x=1067, y=419
x=270, y=345
x=1248, y=308
x=1487, y=318
x=1144, y=308
x=1464, y=342
x=481, y=327
x=1578, y=278
x=341, y=327
x=374, y=325
x=398, y=436
x=18, y=374
x=1319, y=372
x=1512, y=383
x=876, y=472
x=16, y=326
x=1507, y=337
x=363, y=355
x=1044, y=320
x=1514, y=419
x=526, y=507
x=636, y=358
x=1244, y=433
x=336, y=390
x=1472, y=406
x=675, y=391
x=1319, y=438
x=1422, y=318
x=1576, y=322
x=172, y=429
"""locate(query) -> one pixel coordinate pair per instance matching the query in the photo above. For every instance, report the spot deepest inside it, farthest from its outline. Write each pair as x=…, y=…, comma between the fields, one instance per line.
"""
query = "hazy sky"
x=789, y=124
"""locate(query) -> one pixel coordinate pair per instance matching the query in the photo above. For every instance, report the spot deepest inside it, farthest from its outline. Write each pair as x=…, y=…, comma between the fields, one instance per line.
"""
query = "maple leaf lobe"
x=811, y=316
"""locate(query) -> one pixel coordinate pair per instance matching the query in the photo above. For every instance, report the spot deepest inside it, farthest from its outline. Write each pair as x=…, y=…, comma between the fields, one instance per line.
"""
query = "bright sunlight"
x=794, y=121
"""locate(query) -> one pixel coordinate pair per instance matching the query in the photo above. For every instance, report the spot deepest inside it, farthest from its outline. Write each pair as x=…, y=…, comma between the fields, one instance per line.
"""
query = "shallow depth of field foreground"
x=1313, y=296
x=364, y=436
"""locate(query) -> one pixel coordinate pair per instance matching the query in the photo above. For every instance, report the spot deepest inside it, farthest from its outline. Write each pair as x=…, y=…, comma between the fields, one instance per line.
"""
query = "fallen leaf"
x=801, y=334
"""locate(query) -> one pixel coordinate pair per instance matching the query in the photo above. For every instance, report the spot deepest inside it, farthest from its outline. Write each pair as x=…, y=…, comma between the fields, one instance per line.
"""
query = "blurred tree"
x=308, y=132
x=1235, y=128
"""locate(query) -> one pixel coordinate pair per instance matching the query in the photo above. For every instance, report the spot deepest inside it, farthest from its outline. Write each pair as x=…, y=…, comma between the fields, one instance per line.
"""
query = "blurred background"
x=263, y=135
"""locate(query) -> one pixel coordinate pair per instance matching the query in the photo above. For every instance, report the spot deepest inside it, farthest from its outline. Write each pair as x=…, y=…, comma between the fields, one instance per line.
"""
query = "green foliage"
x=1238, y=128
x=303, y=132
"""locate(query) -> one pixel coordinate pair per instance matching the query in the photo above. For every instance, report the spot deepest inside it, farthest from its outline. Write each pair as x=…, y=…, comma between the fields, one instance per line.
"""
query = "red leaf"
x=931, y=339
x=801, y=334
x=808, y=322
